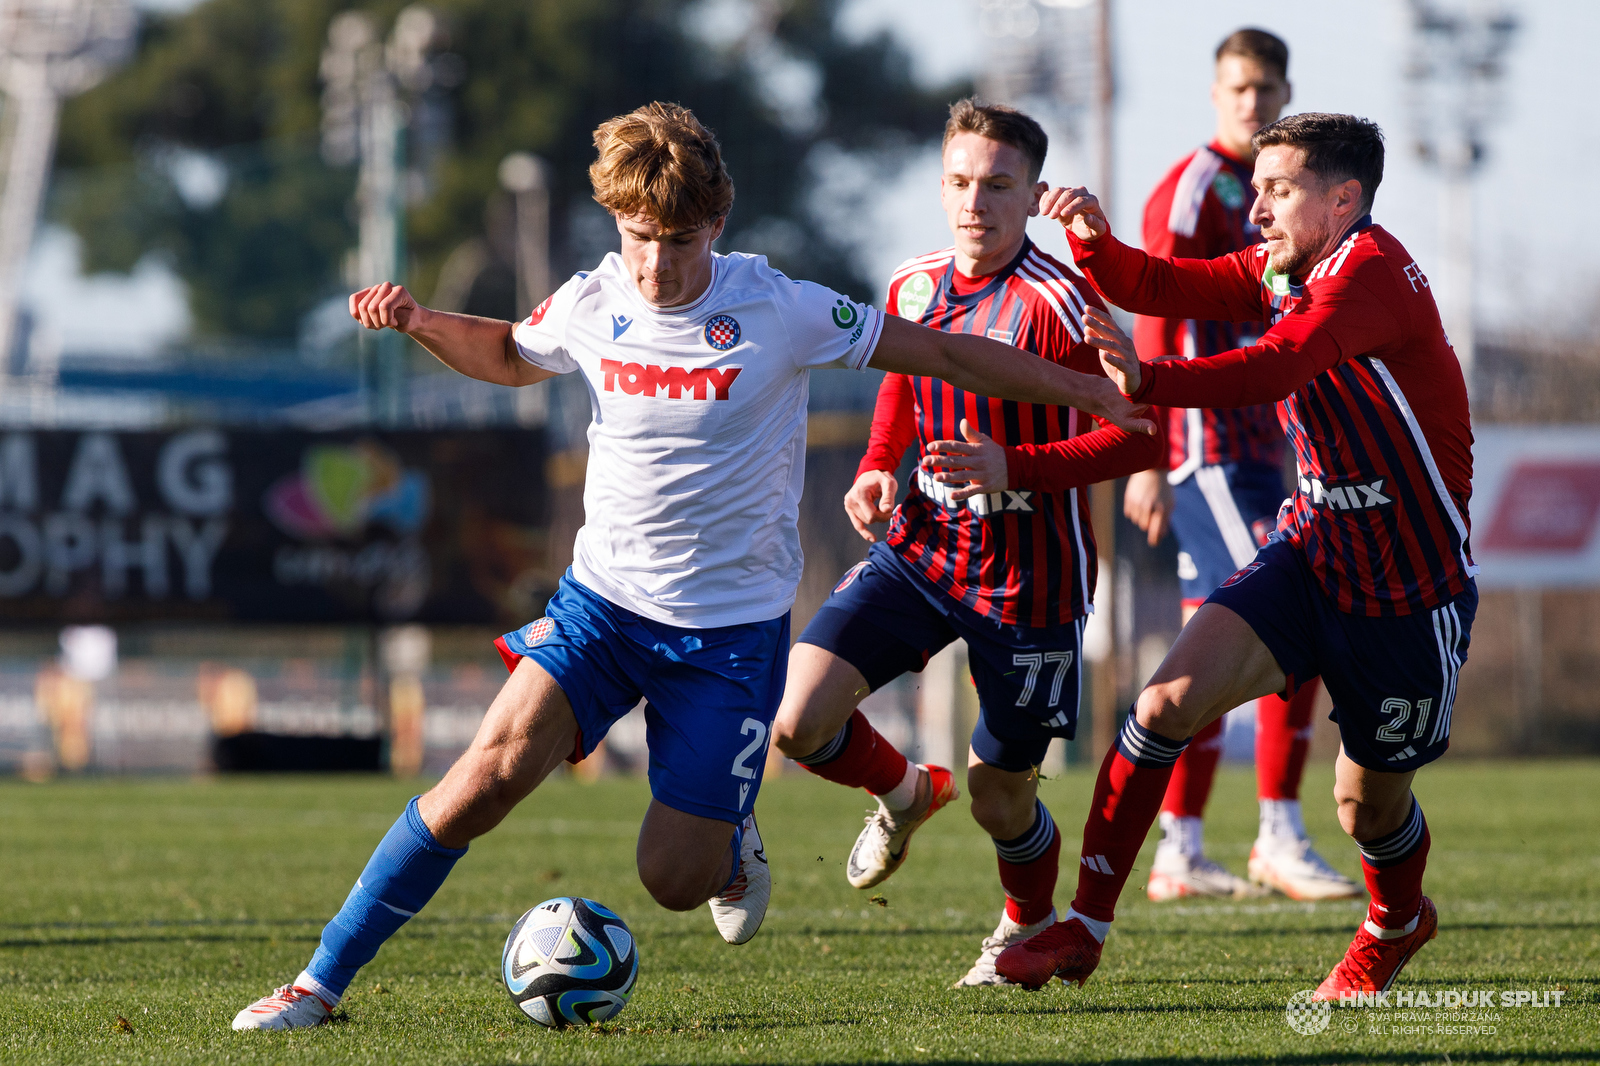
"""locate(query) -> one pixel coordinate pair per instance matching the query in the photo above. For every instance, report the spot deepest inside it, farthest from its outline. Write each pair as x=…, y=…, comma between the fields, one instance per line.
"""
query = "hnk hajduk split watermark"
x=1417, y=1012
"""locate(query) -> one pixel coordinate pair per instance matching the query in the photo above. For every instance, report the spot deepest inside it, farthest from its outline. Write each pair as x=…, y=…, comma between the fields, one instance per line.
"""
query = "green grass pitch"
x=171, y=904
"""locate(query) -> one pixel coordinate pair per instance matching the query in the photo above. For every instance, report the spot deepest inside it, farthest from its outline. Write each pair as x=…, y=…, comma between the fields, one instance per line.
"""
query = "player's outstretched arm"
x=989, y=368
x=480, y=348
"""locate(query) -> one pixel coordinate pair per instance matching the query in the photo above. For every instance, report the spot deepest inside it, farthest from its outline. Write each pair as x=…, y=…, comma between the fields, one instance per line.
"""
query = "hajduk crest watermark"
x=1416, y=1012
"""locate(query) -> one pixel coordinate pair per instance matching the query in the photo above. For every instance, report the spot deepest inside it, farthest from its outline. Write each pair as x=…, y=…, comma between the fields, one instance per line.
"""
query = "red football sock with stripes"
x=858, y=757
x=1127, y=797
x=1283, y=738
x=1029, y=866
x=1193, y=774
x=1393, y=865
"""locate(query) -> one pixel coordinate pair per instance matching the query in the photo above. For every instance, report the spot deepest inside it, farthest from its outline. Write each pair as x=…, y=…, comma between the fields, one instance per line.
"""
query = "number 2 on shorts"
x=750, y=725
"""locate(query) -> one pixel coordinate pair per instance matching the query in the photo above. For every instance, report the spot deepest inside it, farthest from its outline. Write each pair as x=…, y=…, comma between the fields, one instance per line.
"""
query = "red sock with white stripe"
x=1127, y=794
x=1393, y=865
x=1029, y=866
x=859, y=757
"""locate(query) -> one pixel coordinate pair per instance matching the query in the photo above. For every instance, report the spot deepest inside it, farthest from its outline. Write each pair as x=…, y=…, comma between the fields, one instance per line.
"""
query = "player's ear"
x=1039, y=189
x=717, y=227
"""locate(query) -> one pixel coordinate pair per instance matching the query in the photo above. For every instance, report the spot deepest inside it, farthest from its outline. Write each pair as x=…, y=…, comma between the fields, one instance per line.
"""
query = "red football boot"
x=1371, y=965
x=1066, y=950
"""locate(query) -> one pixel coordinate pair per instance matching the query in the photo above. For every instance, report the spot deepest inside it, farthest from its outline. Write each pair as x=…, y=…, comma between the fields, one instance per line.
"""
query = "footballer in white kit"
x=684, y=573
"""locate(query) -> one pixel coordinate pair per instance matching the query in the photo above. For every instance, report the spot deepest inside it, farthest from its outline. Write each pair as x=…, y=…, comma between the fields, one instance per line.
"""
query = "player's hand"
x=870, y=500
x=1078, y=210
x=1116, y=349
x=386, y=304
x=1100, y=397
x=978, y=461
x=1147, y=501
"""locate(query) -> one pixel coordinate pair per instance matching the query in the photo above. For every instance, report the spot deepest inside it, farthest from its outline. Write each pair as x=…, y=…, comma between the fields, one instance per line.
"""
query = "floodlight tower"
x=366, y=82
x=1455, y=71
x=49, y=50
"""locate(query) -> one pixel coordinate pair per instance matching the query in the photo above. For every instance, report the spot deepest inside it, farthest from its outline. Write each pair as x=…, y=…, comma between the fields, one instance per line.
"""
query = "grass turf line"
x=173, y=903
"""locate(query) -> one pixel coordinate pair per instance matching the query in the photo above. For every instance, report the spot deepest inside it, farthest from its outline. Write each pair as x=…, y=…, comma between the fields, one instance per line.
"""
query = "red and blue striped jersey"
x=1368, y=389
x=1025, y=556
x=1201, y=210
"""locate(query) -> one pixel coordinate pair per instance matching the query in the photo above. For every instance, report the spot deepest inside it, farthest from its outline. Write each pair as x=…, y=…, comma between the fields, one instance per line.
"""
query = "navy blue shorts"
x=885, y=619
x=1221, y=516
x=1392, y=679
x=712, y=692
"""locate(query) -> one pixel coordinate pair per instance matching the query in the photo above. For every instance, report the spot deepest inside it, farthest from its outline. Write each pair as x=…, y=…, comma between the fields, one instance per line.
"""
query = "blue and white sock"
x=401, y=877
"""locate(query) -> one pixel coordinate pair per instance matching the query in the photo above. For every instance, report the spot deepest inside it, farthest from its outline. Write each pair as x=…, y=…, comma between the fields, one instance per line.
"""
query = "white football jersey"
x=698, y=444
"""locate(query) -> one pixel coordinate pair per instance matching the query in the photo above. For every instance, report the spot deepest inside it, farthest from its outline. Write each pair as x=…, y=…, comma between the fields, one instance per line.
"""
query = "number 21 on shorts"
x=757, y=744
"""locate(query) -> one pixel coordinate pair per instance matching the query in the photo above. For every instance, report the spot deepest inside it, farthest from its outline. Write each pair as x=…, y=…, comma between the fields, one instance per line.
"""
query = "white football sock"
x=1094, y=925
x=902, y=796
x=1392, y=934
x=316, y=988
x=1182, y=834
x=1281, y=821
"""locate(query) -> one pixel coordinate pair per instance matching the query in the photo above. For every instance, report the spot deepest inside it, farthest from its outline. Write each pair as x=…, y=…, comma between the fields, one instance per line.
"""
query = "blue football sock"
x=737, y=844
x=402, y=875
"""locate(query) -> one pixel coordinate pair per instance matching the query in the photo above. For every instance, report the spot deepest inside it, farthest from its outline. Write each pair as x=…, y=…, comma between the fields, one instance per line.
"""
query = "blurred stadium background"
x=235, y=535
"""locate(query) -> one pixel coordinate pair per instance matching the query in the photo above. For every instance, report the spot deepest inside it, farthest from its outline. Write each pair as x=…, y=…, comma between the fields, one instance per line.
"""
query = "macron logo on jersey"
x=1353, y=497
x=678, y=381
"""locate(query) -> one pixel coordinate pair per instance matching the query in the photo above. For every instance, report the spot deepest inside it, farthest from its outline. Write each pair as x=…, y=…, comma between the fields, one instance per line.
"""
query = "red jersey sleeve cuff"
x=1147, y=383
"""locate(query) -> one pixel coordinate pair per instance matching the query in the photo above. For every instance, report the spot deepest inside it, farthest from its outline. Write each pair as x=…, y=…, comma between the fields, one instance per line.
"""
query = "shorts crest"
x=538, y=632
x=1240, y=575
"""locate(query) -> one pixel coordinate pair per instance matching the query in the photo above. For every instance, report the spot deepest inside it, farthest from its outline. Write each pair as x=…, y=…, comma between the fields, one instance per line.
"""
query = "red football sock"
x=1283, y=738
x=1029, y=866
x=1127, y=797
x=1193, y=774
x=859, y=758
x=1393, y=866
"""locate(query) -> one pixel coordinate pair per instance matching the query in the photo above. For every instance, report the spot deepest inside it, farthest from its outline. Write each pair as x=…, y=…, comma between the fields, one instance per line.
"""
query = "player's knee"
x=1362, y=821
x=672, y=884
x=798, y=730
x=1160, y=707
x=1003, y=813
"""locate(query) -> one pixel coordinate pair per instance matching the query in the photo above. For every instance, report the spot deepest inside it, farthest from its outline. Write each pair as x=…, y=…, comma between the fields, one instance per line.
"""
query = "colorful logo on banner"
x=341, y=489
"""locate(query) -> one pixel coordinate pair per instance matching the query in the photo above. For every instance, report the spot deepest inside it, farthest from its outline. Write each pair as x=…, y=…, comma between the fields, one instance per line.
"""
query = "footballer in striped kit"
x=1368, y=581
x=992, y=544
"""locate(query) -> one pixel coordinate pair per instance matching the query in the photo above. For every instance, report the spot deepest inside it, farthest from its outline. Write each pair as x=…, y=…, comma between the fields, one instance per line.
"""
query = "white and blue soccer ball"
x=570, y=962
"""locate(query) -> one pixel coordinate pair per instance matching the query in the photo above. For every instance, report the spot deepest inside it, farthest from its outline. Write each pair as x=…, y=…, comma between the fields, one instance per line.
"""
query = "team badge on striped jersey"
x=916, y=293
x=1246, y=571
x=850, y=576
x=538, y=632
x=722, y=332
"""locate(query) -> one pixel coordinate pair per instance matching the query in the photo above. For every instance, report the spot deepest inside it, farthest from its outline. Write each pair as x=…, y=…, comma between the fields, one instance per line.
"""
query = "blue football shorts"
x=885, y=619
x=1221, y=516
x=1392, y=679
x=712, y=693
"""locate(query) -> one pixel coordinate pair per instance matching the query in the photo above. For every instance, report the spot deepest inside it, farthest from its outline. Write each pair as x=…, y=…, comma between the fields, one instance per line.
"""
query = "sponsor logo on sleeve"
x=540, y=311
x=916, y=293
x=845, y=314
x=722, y=332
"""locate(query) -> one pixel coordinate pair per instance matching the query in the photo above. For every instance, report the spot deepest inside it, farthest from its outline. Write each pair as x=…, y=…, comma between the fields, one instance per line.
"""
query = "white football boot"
x=1175, y=875
x=289, y=1007
x=882, y=846
x=739, y=910
x=1005, y=934
x=1294, y=868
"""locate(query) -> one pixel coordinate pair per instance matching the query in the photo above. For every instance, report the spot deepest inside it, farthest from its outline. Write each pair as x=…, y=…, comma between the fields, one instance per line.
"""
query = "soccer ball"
x=569, y=962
